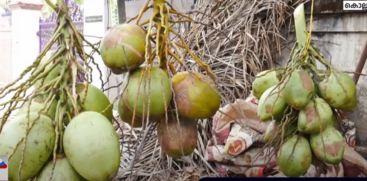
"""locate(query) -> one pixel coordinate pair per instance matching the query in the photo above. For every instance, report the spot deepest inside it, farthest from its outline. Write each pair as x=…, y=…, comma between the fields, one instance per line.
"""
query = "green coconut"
x=92, y=146
x=271, y=104
x=127, y=116
x=339, y=90
x=148, y=91
x=299, y=89
x=270, y=131
x=294, y=156
x=177, y=138
x=328, y=145
x=93, y=99
x=196, y=95
x=53, y=70
x=263, y=81
x=60, y=171
x=38, y=107
x=27, y=157
x=315, y=117
x=123, y=47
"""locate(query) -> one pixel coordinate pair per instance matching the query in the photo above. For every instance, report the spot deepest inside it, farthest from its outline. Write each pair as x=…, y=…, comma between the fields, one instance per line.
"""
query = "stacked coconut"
x=153, y=94
x=302, y=102
x=88, y=149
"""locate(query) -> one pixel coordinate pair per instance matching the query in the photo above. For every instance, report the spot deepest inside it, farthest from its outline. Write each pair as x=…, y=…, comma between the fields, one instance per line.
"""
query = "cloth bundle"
x=236, y=146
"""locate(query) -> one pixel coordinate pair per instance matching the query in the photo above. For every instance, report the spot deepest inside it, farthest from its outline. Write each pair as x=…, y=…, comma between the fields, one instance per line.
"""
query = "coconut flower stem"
x=161, y=32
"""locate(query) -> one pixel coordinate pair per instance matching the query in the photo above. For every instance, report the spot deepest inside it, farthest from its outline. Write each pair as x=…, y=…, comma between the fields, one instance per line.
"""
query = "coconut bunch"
x=56, y=125
x=302, y=101
x=156, y=94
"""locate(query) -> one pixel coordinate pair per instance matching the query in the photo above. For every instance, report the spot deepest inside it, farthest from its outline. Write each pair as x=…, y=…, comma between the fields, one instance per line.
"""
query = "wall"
x=5, y=47
x=25, y=44
x=94, y=31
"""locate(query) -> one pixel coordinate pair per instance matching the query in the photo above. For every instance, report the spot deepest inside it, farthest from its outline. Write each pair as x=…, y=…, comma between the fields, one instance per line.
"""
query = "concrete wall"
x=25, y=42
x=19, y=42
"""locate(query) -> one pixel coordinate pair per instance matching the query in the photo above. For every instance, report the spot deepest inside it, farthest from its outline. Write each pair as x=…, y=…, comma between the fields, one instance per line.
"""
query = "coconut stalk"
x=300, y=25
x=166, y=47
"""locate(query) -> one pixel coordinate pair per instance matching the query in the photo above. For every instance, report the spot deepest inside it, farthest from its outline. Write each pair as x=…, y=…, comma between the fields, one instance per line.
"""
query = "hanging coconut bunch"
x=155, y=93
x=56, y=125
x=302, y=100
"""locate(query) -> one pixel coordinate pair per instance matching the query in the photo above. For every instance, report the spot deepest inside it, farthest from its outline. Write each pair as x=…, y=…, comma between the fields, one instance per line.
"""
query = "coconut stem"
x=161, y=19
x=300, y=25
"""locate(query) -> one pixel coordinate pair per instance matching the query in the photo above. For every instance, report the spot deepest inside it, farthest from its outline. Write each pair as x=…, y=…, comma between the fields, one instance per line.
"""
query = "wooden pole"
x=360, y=65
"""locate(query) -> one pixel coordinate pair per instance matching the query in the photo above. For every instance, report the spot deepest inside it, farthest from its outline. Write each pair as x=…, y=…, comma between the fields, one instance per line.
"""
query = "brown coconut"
x=177, y=137
x=195, y=94
x=123, y=48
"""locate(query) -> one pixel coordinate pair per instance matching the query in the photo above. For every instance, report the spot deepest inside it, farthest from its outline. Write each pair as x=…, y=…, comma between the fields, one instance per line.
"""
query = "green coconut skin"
x=328, y=145
x=196, y=95
x=177, y=139
x=151, y=87
x=37, y=150
x=62, y=171
x=339, y=90
x=315, y=117
x=123, y=48
x=36, y=107
x=263, y=81
x=126, y=114
x=271, y=104
x=299, y=89
x=94, y=100
x=52, y=74
x=270, y=131
x=294, y=156
x=92, y=146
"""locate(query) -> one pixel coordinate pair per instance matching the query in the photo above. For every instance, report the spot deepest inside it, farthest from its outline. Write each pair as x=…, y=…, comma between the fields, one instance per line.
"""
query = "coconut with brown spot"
x=315, y=117
x=339, y=90
x=195, y=94
x=294, y=156
x=123, y=48
x=328, y=145
x=299, y=89
x=271, y=104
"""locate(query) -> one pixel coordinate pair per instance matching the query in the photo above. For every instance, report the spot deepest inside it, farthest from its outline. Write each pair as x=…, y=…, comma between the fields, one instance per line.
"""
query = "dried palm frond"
x=238, y=39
